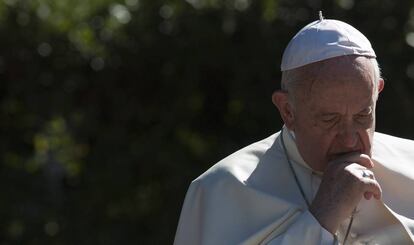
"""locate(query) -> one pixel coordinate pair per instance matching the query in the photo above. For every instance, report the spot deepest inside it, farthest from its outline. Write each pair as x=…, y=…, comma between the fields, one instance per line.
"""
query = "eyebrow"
x=367, y=110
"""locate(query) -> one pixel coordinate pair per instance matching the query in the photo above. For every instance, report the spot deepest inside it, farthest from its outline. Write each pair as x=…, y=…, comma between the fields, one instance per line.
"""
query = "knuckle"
x=373, y=185
x=347, y=172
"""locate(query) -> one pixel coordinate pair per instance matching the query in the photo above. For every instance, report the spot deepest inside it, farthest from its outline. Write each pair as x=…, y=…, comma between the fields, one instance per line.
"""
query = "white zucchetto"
x=324, y=39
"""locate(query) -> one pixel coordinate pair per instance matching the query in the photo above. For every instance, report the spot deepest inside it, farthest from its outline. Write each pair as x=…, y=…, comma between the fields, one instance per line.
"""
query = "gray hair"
x=293, y=79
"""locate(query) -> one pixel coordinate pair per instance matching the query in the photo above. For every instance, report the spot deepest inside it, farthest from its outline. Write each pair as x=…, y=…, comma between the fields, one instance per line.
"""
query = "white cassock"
x=251, y=197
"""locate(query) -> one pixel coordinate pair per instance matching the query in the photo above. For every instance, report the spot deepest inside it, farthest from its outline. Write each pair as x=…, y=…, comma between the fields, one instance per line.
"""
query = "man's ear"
x=281, y=101
x=381, y=84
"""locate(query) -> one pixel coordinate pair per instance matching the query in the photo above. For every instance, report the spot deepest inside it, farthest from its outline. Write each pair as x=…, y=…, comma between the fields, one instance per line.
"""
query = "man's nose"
x=348, y=135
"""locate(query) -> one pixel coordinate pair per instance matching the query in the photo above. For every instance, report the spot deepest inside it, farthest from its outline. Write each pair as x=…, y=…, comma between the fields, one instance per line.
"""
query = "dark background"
x=108, y=109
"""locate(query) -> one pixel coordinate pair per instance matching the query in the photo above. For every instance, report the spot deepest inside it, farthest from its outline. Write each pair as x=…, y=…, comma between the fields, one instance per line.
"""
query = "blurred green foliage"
x=108, y=109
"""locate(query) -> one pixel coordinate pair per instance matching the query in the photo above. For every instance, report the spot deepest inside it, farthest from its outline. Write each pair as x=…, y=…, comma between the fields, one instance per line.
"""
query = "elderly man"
x=326, y=177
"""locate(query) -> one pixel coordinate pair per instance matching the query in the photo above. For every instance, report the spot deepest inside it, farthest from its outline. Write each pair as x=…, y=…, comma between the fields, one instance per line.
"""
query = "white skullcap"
x=324, y=39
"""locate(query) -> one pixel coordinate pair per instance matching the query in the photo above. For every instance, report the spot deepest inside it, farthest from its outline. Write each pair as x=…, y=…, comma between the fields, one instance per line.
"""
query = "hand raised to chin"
x=345, y=181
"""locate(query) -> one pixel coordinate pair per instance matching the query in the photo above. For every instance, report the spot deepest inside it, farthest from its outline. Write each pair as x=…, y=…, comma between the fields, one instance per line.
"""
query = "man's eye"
x=365, y=115
x=329, y=119
x=364, y=118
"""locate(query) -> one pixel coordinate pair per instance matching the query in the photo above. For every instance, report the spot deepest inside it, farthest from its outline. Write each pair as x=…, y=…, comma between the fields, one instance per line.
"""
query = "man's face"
x=335, y=114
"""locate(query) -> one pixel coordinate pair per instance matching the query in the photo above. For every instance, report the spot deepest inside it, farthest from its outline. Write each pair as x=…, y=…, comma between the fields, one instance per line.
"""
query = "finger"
x=361, y=159
x=366, y=173
x=368, y=195
x=371, y=186
x=359, y=171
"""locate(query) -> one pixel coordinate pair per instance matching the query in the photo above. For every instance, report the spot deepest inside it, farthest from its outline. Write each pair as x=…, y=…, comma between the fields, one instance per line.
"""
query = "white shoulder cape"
x=251, y=197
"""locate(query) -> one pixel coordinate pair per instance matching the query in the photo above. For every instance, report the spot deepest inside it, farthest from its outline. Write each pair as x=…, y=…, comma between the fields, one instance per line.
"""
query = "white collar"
x=292, y=150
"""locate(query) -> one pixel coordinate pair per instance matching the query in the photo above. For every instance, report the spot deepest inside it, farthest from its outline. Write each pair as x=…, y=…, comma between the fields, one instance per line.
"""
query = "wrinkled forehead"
x=345, y=65
x=357, y=71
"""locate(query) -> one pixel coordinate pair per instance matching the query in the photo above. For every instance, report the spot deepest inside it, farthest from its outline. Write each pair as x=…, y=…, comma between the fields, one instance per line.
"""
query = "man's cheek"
x=367, y=142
